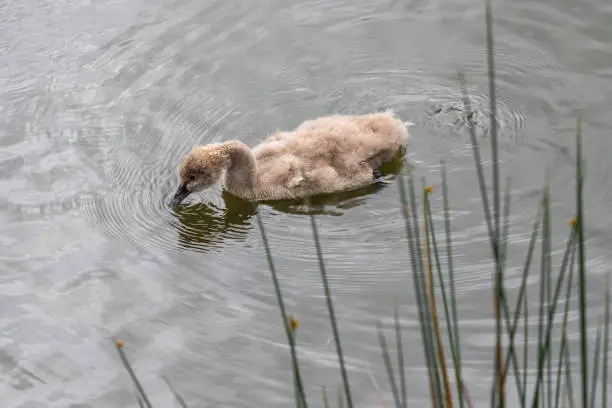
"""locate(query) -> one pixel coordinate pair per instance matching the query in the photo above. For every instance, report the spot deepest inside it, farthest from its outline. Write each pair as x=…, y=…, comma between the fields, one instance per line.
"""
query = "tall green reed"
x=301, y=400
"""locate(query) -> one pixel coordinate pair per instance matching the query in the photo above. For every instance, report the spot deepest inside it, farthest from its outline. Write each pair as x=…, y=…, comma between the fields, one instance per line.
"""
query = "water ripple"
x=101, y=102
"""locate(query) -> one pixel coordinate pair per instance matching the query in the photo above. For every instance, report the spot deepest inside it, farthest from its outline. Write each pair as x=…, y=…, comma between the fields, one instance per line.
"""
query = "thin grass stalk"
x=498, y=294
x=432, y=235
x=478, y=162
x=543, y=276
x=388, y=365
x=415, y=280
x=506, y=227
x=493, y=234
x=595, y=368
x=417, y=268
x=434, y=244
x=525, y=347
x=453, y=295
x=544, y=347
x=604, y=397
x=581, y=265
x=504, y=303
x=568, y=362
x=400, y=359
x=325, y=400
x=549, y=286
x=493, y=113
x=330, y=308
x=559, y=377
x=498, y=366
x=421, y=278
x=130, y=370
x=431, y=296
x=504, y=257
x=178, y=398
x=547, y=268
x=496, y=200
x=436, y=330
x=568, y=294
x=301, y=401
x=521, y=299
x=568, y=374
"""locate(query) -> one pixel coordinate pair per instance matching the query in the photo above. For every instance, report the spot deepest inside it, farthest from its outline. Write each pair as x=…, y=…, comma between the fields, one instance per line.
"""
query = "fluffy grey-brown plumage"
x=323, y=155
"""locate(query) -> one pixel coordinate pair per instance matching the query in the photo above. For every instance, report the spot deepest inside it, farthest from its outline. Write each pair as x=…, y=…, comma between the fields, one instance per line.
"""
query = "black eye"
x=191, y=177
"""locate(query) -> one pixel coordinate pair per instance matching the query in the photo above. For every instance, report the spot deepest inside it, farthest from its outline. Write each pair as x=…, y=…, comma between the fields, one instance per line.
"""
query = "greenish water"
x=99, y=102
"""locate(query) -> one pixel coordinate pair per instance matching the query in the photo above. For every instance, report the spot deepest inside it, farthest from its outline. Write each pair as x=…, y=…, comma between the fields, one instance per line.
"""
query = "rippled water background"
x=99, y=101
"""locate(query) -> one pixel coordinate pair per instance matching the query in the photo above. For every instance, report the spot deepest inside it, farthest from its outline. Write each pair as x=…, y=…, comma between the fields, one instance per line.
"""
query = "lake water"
x=99, y=101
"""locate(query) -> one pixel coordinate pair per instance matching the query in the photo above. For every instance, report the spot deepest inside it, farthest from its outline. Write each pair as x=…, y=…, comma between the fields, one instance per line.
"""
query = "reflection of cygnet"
x=324, y=155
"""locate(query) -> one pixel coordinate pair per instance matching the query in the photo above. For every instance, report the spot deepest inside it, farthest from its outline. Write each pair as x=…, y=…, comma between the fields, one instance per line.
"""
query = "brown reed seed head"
x=294, y=323
x=429, y=189
x=119, y=344
x=572, y=222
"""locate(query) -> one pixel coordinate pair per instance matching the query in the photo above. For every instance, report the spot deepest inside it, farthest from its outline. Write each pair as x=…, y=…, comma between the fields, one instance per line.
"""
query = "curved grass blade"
x=428, y=225
x=498, y=295
x=595, y=369
x=301, y=401
x=178, y=398
x=525, y=343
x=400, y=359
x=453, y=295
x=130, y=370
x=330, y=308
x=437, y=384
x=545, y=344
x=604, y=397
x=493, y=234
x=417, y=273
x=325, y=401
x=559, y=374
x=545, y=281
x=388, y=365
x=564, y=345
x=581, y=265
x=568, y=374
x=522, y=296
x=510, y=328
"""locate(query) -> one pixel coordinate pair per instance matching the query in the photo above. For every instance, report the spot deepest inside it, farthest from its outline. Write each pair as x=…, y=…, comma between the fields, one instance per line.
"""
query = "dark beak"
x=180, y=195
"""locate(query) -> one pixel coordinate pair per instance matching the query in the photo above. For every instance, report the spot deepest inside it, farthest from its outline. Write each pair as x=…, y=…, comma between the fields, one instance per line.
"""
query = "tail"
x=401, y=127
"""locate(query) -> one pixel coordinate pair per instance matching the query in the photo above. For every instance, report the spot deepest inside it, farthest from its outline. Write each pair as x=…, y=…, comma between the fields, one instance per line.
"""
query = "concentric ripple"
x=247, y=101
x=197, y=74
x=141, y=176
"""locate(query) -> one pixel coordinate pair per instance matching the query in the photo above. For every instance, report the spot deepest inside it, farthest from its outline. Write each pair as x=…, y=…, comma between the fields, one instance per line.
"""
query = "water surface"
x=99, y=102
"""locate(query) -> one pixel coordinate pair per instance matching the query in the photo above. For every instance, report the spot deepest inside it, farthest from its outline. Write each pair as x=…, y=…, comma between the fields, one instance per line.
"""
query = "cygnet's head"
x=200, y=169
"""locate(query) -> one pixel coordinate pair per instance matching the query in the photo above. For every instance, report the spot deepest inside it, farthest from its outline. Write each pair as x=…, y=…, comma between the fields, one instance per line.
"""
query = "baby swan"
x=323, y=155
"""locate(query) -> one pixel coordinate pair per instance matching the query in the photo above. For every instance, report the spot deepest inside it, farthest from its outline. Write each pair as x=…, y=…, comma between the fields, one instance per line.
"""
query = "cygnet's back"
x=327, y=154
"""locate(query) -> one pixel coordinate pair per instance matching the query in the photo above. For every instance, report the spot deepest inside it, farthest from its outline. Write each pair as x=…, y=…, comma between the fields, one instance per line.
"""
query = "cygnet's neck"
x=241, y=174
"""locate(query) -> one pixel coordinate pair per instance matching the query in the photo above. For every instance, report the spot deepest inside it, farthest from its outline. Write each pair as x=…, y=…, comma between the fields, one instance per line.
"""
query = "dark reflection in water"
x=203, y=225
